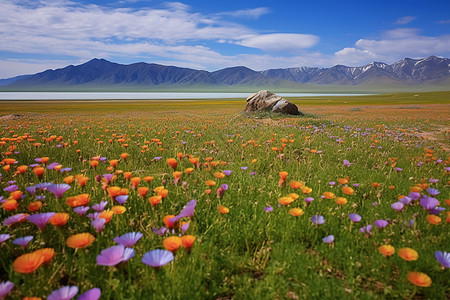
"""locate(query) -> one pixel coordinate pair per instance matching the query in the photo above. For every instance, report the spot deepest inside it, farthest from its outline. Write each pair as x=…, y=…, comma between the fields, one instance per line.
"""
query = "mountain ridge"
x=101, y=73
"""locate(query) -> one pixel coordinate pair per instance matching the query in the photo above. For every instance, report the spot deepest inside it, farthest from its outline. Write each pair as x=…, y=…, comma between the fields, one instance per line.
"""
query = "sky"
x=210, y=35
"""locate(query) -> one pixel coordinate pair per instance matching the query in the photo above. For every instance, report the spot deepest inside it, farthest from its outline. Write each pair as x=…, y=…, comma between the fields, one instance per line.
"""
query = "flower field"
x=196, y=200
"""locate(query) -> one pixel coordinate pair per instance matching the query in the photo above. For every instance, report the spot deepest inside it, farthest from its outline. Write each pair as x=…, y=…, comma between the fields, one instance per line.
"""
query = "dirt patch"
x=11, y=117
x=441, y=136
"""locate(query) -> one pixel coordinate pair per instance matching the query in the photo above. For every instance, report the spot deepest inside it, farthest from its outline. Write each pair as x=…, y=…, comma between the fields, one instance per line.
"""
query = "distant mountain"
x=102, y=74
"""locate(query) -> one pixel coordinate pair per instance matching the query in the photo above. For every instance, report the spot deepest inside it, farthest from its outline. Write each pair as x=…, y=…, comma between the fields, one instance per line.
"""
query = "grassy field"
x=262, y=184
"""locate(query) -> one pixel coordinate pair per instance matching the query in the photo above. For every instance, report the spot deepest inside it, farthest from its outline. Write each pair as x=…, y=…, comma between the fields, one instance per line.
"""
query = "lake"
x=140, y=96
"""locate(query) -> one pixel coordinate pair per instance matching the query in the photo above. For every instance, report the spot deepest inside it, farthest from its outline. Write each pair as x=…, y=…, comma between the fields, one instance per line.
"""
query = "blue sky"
x=210, y=35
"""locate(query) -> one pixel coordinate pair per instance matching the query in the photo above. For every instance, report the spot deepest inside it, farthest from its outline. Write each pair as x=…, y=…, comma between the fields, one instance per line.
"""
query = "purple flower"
x=43, y=185
x=397, y=206
x=52, y=166
x=23, y=241
x=5, y=288
x=99, y=206
x=157, y=158
x=414, y=195
x=432, y=192
x=224, y=186
x=428, y=203
x=40, y=220
x=11, y=188
x=398, y=169
x=406, y=200
x=66, y=170
x=157, y=258
x=121, y=199
x=81, y=210
x=381, y=223
x=38, y=160
x=244, y=168
x=31, y=189
x=227, y=172
x=318, y=219
x=160, y=231
x=433, y=180
x=347, y=163
x=108, y=177
x=328, y=239
x=443, y=258
x=64, y=293
x=366, y=229
x=354, y=217
x=185, y=227
x=420, y=163
x=98, y=224
x=92, y=294
x=113, y=255
x=268, y=208
x=4, y=237
x=309, y=199
x=128, y=239
x=437, y=210
x=187, y=211
x=58, y=189
x=13, y=219
x=332, y=183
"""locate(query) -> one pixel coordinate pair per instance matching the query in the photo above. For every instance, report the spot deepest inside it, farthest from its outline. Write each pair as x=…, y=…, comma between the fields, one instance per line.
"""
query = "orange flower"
x=328, y=195
x=142, y=191
x=341, y=200
x=433, y=219
x=408, y=254
x=210, y=182
x=172, y=243
x=80, y=240
x=172, y=162
x=59, y=219
x=10, y=205
x=167, y=221
x=148, y=178
x=347, y=190
x=295, y=184
x=48, y=254
x=293, y=196
x=7, y=168
x=155, y=200
x=223, y=209
x=188, y=170
x=39, y=171
x=118, y=209
x=158, y=189
x=113, y=163
x=306, y=190
x=124, y=156
x=419, y=279
x=21, y=169
x=375, y=184
x=416, y=189
x=107, y=215
x=34, y=206
x=78, y=200
x=391, y=187
x=219, y=175
x=177, y=174
x=135, y=181
x=16, y=195
x=296, y=212
x=93, y=163
x=386, y=250
x=68, y=179
x=343, y=180
x=31, y=298
x=127, y=175
x=8, y=161
x=187, y=241
x=283, y=176
x=44, y=160
x=82, y=180
x=163, y=193
x=28, y=263
x=286, y=200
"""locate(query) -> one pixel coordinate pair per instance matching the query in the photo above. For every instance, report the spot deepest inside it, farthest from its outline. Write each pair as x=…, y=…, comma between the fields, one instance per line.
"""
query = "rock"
x=265, y=101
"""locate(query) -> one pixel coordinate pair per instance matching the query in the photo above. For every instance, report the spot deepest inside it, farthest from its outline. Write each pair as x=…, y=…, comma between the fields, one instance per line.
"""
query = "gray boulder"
x=268, y=101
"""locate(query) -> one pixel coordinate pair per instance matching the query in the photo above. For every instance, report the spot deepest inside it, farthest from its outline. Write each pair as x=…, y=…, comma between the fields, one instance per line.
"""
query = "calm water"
x=138, y=96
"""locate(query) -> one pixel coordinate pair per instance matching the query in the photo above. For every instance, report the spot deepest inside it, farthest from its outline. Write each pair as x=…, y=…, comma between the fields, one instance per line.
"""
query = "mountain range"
x=431, y=73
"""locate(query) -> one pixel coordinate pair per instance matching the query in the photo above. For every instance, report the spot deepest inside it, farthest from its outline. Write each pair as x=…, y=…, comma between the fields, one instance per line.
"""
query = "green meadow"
x=260, y=181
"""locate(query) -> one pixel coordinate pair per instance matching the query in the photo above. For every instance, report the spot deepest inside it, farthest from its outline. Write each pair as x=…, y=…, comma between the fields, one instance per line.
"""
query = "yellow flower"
x=296, y=212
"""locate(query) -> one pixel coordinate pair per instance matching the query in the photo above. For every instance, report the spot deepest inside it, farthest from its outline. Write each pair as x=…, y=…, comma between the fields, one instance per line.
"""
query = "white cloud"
x=280, y=42
x=405, y=20
x=253, y=13
x=14, y=67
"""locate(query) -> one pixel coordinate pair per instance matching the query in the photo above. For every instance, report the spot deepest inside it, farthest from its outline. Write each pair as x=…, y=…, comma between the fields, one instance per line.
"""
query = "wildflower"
x=10, y=205
x=386, y=250
x=18, y=218
x=328, y=239
x=5, y=288
x=99, y=206
x=4, y=237
x=23, y=241
x=127, y=175
x=285, y=200
x=187, y=211
x=148, y=178
x=219, y=175
x=135, y=181
x=124, y=156
x=341, y=200
x=121, y=199
x=306, y=190
x=318, y=219
x=28, y=263
x=366, y=229
x=223, y=209
x=92, y=294
x=428, y=203
x=227, y=172
x=328, y=195
x=172, y=162
x=296, y=212
x=155, y=200
x=210, y=182
x=172, y=243
x=408, y=254
x=78, y=200
x=98, y=224
x=40, y=220
x=157, y=258
x=80, y=240
x=419, y=279
x=381, y=223
x=128, y=239
x=64, y=293
x=187, y=241
x=397, y=206
x=443, y=258
x=309, y=199
x=283, y=176
x=268, y=208
x=34, y=206
x=433, y=219
x=59, y=219
x=107, y=215
x=114, y=255
x=295, y=184
x=48, y=254
x=118, y=209
x=354, y=217
x=167, y=220
x=347, y=190
x=39, y=171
